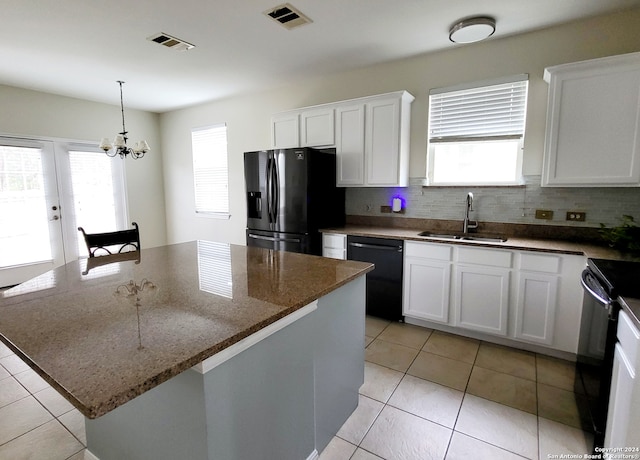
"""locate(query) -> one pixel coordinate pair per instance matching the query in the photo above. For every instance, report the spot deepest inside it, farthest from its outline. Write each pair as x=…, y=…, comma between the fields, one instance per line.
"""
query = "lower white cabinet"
x=527, y=296
x=482, y=298
x=427, y=280
x=624, y=401
x=334, y=245
x=537, y=293
x=536, y=307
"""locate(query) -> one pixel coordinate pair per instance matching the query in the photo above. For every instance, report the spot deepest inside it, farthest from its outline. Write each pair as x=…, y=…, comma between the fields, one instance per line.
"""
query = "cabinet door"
x=426, y=289
x=334, y=245
x=285, y=131
x=317, y=128
x=620, y=401
x=482, y=298
x=593, y=123
x=382, y=143
x=350, y=145
x=536, y=307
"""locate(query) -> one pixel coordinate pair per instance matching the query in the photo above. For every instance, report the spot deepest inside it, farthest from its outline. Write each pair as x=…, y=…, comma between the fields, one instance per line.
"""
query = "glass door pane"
x=95, y=192
x=30, y=230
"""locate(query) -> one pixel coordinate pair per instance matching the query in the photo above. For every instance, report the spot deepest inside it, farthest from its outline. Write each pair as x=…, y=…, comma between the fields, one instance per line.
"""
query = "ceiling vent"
x=170, y=42
x=288, y=16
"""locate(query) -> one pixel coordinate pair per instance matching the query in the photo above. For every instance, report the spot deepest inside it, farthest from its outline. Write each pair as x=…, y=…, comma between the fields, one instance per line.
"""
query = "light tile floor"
x=426, y=395
x=432, y=395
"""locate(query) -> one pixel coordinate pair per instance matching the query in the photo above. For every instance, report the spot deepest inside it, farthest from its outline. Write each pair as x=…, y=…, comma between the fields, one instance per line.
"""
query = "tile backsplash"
x=501, y=204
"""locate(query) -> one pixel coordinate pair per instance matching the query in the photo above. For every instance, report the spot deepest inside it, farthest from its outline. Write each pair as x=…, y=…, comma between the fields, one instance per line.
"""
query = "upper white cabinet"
x=303, y=128
x=593, y=123
x=350, y=144
x=372, y=144
x=317, y=127
x=285, y=131
x=370, y=134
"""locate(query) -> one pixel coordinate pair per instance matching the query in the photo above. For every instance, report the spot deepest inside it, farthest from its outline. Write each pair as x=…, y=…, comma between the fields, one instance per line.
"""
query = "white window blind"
x=494, y=111
x=211, y=180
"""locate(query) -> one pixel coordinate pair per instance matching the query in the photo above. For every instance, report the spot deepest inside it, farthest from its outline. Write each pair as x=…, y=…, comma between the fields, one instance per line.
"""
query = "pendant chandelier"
x=119, y=146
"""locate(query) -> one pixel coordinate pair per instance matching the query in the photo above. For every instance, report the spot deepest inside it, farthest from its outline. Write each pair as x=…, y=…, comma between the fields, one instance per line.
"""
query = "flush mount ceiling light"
x=472, y=30
x=120, y=141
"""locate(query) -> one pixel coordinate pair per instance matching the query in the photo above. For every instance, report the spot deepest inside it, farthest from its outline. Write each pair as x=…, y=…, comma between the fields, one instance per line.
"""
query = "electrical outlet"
x=576, y=216
x=544, y=214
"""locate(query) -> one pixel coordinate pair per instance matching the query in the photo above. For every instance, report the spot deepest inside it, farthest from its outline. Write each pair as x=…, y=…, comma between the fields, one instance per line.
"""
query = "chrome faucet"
x=469, y=224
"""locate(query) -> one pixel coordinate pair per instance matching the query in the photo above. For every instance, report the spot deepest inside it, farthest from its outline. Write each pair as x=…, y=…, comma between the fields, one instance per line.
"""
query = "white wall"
x=31, y=113
x=248, y=117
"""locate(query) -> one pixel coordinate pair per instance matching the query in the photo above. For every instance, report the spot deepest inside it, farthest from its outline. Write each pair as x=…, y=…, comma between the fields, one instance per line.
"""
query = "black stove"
x=618, y=277
x=604, y=282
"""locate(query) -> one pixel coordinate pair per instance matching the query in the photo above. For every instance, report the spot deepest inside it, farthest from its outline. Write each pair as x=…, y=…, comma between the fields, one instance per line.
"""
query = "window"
x=476, y=133
x=210, y=173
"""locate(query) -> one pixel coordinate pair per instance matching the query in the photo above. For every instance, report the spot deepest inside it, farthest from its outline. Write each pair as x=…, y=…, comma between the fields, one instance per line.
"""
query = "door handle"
x=271, y=238
x=375, y=246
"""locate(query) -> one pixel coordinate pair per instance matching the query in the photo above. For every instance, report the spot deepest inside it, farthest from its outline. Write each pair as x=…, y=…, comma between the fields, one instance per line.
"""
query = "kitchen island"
x=198, y=350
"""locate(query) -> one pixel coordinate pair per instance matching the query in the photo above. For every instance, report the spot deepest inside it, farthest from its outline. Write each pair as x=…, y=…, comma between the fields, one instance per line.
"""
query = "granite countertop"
x=513, y=242
x=101, y=347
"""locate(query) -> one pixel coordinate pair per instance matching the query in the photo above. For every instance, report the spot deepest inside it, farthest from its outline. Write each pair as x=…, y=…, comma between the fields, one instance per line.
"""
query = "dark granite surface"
x=100, y=345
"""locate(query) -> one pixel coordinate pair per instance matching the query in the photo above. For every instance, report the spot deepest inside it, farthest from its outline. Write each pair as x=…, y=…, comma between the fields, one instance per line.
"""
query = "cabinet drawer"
x=539, y=263
x=629, y=338
x=428, y=251
x=334, y=240
x=334, y=253
x=490, y=257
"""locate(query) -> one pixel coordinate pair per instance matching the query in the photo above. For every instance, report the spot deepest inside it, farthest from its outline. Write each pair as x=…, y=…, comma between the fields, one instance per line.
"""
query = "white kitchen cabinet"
x=350, y=145
x=427, y=279
x=313, y=127
x=482, y=298
x=285, y=131
x=536, y=303
x=317, y=127
x=334, y=245
x=624, y=400
x=381, y=158
x=524, y=296
x=370, y=135
x=593, y=123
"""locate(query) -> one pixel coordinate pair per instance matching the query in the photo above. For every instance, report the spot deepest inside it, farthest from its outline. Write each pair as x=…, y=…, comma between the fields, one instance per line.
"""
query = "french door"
x=47, y=190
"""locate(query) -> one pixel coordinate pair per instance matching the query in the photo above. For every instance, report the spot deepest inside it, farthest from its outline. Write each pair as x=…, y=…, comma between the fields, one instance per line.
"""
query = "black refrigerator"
x=291, y=194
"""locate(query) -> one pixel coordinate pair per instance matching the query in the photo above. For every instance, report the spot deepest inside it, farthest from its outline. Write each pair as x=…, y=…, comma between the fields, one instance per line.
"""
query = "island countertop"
x=104, y=337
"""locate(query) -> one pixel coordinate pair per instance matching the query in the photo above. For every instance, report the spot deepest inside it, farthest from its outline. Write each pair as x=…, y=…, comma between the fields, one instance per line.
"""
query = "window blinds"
x=494, y=111
x=211, y=181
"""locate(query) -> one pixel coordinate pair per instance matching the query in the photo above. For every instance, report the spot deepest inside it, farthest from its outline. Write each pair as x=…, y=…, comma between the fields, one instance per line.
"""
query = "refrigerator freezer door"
x=279, y=241
x=255, y=173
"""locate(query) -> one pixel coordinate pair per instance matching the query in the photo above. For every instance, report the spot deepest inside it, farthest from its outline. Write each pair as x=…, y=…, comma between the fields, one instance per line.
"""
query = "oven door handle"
x=606, y=302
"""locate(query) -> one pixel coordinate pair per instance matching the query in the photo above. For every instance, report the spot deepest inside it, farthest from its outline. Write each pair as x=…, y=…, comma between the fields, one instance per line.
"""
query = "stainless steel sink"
x=464, y=237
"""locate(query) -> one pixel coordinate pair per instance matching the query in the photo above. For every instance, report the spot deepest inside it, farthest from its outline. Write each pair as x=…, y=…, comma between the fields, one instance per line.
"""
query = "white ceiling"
x=80, y=48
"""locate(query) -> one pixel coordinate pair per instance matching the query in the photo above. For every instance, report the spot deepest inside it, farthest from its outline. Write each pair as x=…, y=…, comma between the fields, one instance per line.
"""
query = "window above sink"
x=476, y=133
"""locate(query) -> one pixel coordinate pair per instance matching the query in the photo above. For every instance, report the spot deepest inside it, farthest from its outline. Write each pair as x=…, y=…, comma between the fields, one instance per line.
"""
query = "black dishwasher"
x=384, y=282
